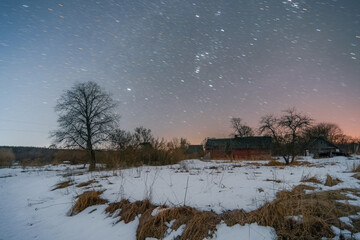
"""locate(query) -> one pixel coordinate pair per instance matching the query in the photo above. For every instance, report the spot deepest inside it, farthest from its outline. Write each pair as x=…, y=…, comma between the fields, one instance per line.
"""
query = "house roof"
x=239, y=143
x=320, y=142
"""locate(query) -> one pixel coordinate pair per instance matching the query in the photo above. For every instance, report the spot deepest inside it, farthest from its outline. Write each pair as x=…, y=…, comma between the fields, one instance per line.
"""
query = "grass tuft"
x=198, y=225
x=356, y=168
x=87, y=199
x=62, y=185
x=331, y=181
x=84, y=184
x=310, y=179
x=274, y=163
x=127, y=210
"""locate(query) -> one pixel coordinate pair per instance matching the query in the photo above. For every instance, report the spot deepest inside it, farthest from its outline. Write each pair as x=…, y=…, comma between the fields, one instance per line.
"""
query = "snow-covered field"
x=30, y=210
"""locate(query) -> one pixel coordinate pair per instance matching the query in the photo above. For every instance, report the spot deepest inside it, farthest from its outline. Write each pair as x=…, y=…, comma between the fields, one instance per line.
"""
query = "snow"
x=30, y=210
x=247, y=232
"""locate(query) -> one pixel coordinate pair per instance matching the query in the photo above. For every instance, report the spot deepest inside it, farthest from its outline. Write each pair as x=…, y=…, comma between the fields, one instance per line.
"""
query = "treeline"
x=123, y=149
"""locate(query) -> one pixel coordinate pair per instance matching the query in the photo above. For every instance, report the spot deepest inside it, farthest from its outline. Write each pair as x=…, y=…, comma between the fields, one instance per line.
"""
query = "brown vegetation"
x=331, y=181
x=316, y=212
x=84, y=184
x=87, y=199
x=310, y=179
x=61, y=185
x=356, y=168
x=7, y=157
x=273, y=180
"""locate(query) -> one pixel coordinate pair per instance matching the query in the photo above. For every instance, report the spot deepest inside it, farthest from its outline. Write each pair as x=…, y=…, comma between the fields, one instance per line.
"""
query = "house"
x=239, y=148
x=319, y=147
x=195, y=150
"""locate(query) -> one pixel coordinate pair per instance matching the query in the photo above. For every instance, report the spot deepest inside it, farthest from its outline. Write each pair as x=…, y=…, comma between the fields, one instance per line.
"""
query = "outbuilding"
x=239, y=148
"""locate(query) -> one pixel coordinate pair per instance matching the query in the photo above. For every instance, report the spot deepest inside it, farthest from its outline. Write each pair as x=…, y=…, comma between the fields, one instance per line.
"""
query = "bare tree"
x=329, y=131
x=121, y=139
x=286, y=131
x=142, y=135
x=85, y=118
x=241, y=129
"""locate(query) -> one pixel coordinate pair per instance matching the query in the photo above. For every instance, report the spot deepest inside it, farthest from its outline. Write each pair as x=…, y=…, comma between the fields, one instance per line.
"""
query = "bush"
x=7, y=157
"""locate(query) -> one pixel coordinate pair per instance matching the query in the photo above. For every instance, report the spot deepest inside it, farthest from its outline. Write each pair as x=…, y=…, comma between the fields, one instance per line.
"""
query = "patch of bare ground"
x=316, y=212
x=87, y=199
x=84, y=184
x=330, y=181
x=62, y=185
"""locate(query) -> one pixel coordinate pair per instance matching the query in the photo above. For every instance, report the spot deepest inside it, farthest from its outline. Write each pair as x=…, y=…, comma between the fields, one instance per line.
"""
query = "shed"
x=239, y=148
x=320, y=147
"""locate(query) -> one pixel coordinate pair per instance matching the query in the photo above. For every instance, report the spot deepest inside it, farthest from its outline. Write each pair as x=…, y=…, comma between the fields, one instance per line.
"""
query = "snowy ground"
x=30, y=210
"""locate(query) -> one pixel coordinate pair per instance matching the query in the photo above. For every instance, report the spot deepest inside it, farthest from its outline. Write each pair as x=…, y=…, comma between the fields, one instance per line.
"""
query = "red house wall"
x=240, y=154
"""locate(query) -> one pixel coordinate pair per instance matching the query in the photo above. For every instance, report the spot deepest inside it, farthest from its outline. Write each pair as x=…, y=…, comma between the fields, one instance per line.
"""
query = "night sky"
x=181, y=68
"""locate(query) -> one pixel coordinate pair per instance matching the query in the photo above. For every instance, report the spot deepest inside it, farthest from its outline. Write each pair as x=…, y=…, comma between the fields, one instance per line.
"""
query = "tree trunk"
x=92, y=161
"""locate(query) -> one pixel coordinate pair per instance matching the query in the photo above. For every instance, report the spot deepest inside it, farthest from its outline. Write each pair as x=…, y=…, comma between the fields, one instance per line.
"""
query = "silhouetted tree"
x=121, y=139
x=142, y=135
x=241, y=129
x=85, y=118
x=286, y=131
x=328, y=131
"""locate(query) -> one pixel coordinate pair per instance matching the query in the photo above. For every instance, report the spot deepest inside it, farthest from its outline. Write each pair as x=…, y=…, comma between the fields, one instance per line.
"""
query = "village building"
x=319, y=147
x=239, y=148
x=195, y=150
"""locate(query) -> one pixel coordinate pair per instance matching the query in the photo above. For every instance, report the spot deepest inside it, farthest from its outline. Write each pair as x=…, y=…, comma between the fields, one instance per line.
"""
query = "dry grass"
x=198, y=225
x=128, y=211
x=302, y=163
x=62, y=185
x=357, y=176
x=87, y=199
x=319, y=212
x=331, y=181
x=273, y=180
x=274, y=163
x=310, y=179
x=356, y=168
x=83, y=184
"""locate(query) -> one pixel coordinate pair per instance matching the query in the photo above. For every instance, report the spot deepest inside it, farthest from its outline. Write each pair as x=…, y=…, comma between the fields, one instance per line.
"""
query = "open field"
x=233, y=200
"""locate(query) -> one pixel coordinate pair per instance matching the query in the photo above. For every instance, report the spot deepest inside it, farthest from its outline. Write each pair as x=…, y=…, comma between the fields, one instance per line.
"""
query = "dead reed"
x=87, y=199
x=61, y=185
x=312, y=179
x=293, y=214
x=84, y=184
x=330, y=181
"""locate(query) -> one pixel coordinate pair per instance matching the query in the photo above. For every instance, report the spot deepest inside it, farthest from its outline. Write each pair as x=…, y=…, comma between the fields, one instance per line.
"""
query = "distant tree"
x=121, y=139
x=286, y=131
x=177, y=143
x=328, y=131
x=143, y=135
x=7, y=157
x=85, y=118
x=241, y=129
